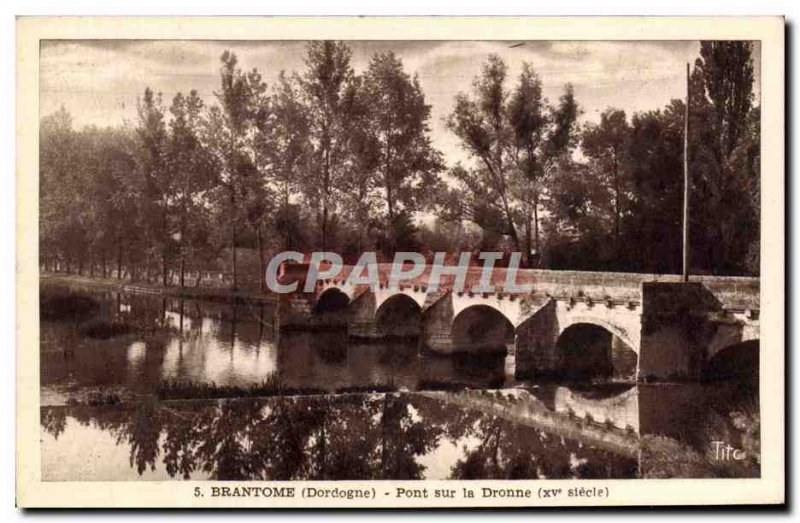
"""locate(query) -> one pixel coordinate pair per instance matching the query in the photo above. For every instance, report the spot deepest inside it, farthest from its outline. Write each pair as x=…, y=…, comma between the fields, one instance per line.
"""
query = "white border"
x=772, y=245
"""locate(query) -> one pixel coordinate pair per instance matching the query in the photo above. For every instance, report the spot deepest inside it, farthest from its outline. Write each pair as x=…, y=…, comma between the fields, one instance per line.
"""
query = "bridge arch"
x=726, y=335
x=415, y=293
x=331, y=300
x=510, y=309
x=481, y=328
x=738, y=360
x=399, y=315
x=592, y=349
x=619, y=332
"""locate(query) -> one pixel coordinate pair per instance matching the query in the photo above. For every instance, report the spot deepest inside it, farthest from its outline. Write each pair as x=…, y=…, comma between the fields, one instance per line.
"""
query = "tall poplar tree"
x=328, y=85
x=158, y=184
x=403, y=160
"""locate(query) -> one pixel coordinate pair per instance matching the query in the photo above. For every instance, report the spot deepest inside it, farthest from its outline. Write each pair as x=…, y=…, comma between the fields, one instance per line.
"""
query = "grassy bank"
x=272, y=385
x=139, y=287
x=664, y=458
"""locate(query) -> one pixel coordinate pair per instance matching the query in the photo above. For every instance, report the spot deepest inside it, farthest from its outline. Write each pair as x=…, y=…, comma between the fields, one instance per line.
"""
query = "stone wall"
x=361, y=316
x=437, y=320
x=536, y=343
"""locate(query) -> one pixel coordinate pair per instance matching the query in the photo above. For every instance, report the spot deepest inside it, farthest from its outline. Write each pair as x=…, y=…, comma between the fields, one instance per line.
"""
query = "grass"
x=246, y=293
x=450, y=386
x=271, y=386
x=97, y=399
x=369, y=388
x=173, y=389
x=664, y=457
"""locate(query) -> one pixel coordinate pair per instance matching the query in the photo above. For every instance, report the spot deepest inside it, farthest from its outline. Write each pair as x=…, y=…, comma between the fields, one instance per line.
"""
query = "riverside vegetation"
x=333, y=159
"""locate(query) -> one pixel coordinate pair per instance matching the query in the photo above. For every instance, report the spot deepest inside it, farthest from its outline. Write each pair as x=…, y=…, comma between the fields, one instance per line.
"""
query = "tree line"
x=331, y=159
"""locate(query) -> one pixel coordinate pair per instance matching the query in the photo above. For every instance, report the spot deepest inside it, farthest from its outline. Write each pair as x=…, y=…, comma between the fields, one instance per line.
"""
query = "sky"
x=99, y=81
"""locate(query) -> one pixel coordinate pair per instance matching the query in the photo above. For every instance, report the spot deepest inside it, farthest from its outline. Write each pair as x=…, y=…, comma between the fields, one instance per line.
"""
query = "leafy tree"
x=629, y=187
x=481, y=123
x=607, y=144
x=91, y=194
x=289, y=154
x=113, y=194
x=543, y=137
x=329, y=95
x=349, y=158
x=61, y=231
x=158, y=187
x=193, y=175
x=724, y=145
x=653, y=237
x=399, y=151
x=576, y=225
x=361, y=184
x=447, y=236
x=516, y=140
x=259, y=197
x=234, y=131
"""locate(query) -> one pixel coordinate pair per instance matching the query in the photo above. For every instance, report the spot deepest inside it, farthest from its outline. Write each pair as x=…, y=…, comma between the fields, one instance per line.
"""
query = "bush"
x=103, y=330
x=65, y=305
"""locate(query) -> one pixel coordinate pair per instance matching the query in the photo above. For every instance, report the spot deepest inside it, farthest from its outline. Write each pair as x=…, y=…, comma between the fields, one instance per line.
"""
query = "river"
x=106, y=356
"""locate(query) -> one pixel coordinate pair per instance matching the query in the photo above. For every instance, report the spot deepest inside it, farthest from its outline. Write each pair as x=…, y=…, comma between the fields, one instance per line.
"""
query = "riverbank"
x=198, y=293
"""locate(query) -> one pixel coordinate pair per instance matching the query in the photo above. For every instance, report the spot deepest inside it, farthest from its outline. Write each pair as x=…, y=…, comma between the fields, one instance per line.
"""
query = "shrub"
x=103, y=330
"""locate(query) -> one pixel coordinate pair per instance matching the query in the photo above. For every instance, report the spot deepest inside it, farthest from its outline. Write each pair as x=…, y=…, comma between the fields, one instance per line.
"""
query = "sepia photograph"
x=317, y=261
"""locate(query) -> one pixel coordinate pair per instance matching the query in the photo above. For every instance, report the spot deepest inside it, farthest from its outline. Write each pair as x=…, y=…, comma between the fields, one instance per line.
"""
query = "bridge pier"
x=361, y=316
x=536, y=343
x=673, y=321
x=437, y=321
x=510, y=364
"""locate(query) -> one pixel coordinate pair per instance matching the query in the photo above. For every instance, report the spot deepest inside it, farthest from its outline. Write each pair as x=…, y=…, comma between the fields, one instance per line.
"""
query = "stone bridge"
x=578, y=324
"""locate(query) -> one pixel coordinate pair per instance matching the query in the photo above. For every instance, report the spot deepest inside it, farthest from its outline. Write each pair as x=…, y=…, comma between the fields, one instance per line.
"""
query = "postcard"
x=400, y=262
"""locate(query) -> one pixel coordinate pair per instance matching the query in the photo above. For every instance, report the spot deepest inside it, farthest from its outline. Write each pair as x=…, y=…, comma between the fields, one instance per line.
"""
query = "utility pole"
x=686, y=181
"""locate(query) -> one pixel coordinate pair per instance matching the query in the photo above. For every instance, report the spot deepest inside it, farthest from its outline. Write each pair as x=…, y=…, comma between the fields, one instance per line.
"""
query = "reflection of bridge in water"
x=614, y=418
x=573, y=324
x=521, y=407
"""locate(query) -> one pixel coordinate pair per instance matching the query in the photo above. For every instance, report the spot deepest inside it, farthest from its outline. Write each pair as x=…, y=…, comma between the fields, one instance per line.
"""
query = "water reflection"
x=230, y=346
x=380, y=436
x=675, y=410
x=468, y=435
